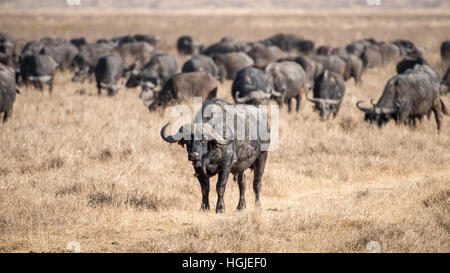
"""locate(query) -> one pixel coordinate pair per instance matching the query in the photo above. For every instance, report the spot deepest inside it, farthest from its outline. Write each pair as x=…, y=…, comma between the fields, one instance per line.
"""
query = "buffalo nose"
x=194, y=157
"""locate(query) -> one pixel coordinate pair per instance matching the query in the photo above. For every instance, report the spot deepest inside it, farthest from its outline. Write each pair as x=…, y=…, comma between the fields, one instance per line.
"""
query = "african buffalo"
x=224, y=151
x=445, y=50
x=187, y=46
x=108, y=71
x=179, y=87
x=331, y=63
x=445, y=84
x=38, y=70
x=263, y=55
x=230, y=64
x=200, y=62
x=158, y=71
x=87, y=59
x=251, y=86
x=289, y=80
x=408, y=96
x=329, y=91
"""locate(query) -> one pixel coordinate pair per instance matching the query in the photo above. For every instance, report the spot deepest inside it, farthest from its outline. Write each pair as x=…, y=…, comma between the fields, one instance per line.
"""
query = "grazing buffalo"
x=407, y=48
x=353, y=67
x=331, y=63
x=178, y=88
x=226, y=45
x=372, y=57
x=408, y=96
x=329, y=90
x=251, y=86
x=409, y=63
x=230, y=64
x=187, y=46
x=86, y=61
x=390, y=52
x=78, y=42
x=224, y=151
x=200, y=62
x=8, y=90
x=108, y=71
x=135, y=52
x=157, y=71
x=323, y=50
x=263, y=55
x=306, y=47
x=285, y=41
x=38, y=70
x=289, y=80
x=445, y=51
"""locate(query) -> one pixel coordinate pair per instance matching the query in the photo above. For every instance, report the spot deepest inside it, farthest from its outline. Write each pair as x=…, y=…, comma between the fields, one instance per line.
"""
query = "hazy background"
x=259, y=4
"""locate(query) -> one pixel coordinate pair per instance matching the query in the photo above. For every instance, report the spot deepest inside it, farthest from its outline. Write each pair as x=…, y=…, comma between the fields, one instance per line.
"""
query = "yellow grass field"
x=94, y=169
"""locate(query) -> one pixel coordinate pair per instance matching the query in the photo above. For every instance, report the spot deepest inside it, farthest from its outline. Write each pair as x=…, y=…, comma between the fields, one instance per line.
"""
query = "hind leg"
x=299, y=100
x=438, y=117
x=5, y=116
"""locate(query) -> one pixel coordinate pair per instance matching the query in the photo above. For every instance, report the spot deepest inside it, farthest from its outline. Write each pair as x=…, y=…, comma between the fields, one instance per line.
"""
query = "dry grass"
x=94, y=170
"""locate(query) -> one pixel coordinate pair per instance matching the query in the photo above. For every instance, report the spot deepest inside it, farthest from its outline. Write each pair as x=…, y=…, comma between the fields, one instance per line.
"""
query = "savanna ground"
x=93, y=169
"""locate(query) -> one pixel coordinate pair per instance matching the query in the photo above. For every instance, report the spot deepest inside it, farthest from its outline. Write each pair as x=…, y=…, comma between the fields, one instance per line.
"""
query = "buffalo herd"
x=283, y=68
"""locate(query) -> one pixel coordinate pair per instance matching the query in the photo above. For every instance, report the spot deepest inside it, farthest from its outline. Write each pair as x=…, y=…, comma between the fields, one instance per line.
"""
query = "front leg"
x=204, y=183
x=220, y=187
x=241, y=183
x=298, y=100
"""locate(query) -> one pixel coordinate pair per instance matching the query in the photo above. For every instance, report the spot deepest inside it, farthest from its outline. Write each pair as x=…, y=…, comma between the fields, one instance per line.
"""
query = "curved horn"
x=275, y=93
x=365, y=110
x=371, y=102
x=259, y=94
x=243, y=99
x=170, y=138
x=210, y=132
x=313, y=100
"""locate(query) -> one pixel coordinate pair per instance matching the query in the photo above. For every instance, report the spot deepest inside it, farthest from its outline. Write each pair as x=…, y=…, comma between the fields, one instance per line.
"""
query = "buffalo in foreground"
x=214, y=147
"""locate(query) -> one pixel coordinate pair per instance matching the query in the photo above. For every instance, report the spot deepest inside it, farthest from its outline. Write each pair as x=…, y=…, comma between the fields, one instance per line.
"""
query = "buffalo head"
x=202, y=143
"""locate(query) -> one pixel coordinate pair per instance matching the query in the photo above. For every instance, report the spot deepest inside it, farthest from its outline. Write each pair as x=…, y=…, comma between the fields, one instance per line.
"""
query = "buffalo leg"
x=299, y=100
x=241, y=183
x=220, y=188
x=5, y=116
x=288, y=102
x=204, y=183
x=437, y=116
x=258, y=170
x=50, y=86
